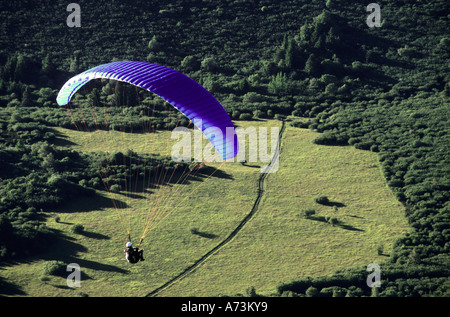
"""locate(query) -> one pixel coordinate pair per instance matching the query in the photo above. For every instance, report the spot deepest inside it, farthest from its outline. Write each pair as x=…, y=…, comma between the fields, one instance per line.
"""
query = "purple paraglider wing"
x=194, y=101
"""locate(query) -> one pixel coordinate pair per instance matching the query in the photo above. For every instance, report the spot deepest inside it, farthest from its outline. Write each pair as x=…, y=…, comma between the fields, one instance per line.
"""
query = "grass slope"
x=277, y=245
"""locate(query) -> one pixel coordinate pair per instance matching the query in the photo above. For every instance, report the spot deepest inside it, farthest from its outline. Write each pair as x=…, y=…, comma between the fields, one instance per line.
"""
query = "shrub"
x=323, y=200
x=194, y=230
x=311, y=292
x=190, y=63
x=363, y=145
x=77, y=228
x=245, y=116
x=338, y=291
x=279, y=117
x=380, y=249
x=307, y=213
x=332, y=221
x=300, y=124
x=56, y=268
x=115, y=188
x=251, y=292
x=326, y=292
x=329, y=139
x=258, y=114
x=209, y=64
x=406, y=51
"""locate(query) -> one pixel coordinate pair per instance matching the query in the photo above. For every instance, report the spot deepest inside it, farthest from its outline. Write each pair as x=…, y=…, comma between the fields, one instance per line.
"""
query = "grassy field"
x=276, y=245
x=280, y=245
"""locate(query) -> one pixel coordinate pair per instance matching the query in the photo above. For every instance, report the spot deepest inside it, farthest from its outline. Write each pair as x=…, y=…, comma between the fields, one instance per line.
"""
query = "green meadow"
x=278, y=244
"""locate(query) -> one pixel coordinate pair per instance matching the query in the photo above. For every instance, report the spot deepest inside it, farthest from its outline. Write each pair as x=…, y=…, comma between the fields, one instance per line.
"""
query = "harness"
x=133, y=256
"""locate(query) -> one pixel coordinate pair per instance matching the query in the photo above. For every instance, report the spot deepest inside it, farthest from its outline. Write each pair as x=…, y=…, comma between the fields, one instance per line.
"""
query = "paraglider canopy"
x=194, y=101
x=161, y=183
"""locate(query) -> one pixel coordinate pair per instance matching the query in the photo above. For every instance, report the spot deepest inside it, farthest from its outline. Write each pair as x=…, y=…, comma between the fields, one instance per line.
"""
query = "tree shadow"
x=331, y=203
x=61, y=139
x=248, y=165
x=133, y=195
x=348, y=227
x=63, y=249
x=203, y=234
x=65, y=286
x=336, y=204
x=181, y=177
x=9, y=289
x=354, y=216
x=186, y=175
x=66, y=223
x=209, y=171
x=90, y=203
x=317, y=218
x=94, y=235
x=338, y=223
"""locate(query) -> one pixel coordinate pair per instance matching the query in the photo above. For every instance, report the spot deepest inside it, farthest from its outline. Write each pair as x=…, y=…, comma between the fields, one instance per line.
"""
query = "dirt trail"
x=255, y=207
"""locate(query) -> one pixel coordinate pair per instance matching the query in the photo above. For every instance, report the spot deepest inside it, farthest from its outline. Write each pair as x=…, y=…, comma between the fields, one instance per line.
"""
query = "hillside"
x=384, y=90
x=264, y=249
x=280, y=243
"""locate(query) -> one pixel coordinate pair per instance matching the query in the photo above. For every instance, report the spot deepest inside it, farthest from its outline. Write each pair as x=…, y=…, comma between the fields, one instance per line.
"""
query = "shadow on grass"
x=203, y=234
x=132, y=195
x=183, y=175
x=94, y=235
x=63, y=249
x=61, y=139
x=333, y=204
x=355, y=216
x=90, y=203
x=209, y=171
x=9, y=289
x=248, y=165
x=335, y=224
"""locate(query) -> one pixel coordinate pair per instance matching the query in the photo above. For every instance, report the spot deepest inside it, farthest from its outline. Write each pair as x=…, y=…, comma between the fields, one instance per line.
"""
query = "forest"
x=315, y=64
